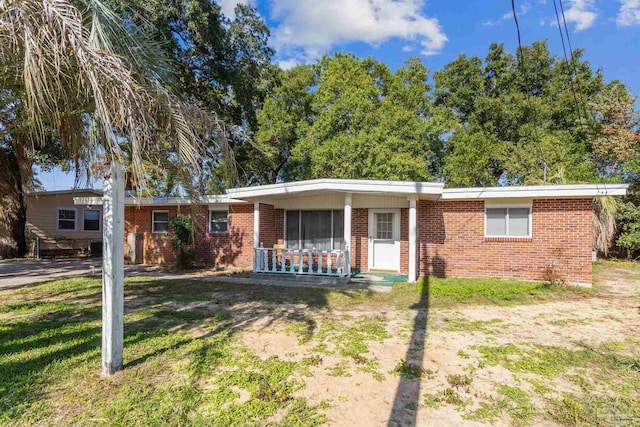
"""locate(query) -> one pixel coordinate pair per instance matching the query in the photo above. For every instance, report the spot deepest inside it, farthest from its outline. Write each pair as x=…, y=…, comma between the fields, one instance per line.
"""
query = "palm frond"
x=64, y=70
x=604, y=223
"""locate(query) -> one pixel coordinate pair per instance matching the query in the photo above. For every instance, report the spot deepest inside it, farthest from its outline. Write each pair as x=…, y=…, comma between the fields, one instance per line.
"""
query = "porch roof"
x=431, y=190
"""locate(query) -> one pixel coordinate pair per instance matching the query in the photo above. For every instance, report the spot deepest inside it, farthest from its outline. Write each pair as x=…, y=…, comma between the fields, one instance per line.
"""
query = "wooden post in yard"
x=113, y=271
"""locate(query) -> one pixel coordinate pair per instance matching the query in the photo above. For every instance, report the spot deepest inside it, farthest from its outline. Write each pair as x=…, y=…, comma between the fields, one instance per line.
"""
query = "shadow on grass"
x=407, y=398
x=49, y=339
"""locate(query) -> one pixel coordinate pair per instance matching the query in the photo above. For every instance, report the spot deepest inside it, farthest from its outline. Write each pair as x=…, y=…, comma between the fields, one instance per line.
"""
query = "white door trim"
x=396, y=235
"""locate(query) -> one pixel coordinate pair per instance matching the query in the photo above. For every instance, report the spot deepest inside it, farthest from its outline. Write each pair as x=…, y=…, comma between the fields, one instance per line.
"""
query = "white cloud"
x=582, y=13
x=629, y=13
x=524, y=9
x=408, y=48
x=491, y=22
x=228, y=6
x=287, y=64
x=309, y=28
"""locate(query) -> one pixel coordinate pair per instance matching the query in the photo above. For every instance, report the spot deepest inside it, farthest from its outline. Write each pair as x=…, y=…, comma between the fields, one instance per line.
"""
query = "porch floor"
x=377, y=278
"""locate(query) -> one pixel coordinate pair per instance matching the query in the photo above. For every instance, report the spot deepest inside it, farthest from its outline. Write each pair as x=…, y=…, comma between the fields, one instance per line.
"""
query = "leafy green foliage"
x=517, y=118
x=408, y=370
x=353, y=118
x=628, y=222
x=182, y=236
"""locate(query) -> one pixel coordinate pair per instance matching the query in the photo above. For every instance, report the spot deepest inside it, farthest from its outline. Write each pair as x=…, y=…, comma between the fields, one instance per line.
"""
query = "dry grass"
x=199, y=353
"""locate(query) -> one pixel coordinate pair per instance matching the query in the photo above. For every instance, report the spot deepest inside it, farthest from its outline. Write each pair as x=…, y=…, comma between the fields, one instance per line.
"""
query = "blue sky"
x=438, y=31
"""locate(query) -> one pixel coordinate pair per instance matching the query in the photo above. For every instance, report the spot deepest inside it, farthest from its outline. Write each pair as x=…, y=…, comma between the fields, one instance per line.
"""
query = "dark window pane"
x=338, y=229
x=316, y=229
x=66, y=225
x=67, y=214
x=292, y=233
x=219, y=221
x=66, y=219
x=161, y=227
x=91, y=220
x=161, y=216
x=160, y=222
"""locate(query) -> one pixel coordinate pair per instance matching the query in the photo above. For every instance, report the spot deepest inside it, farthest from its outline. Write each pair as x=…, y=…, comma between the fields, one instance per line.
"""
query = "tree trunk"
x=19, y=225
x=13, y=161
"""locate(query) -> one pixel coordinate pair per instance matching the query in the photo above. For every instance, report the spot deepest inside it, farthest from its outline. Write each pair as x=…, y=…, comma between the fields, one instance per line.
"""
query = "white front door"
x=384, y=239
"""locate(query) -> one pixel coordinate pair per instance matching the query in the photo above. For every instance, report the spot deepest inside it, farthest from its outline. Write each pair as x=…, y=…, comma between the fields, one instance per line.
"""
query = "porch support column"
x=413, y=240
x=256, y=225
x=347, y=228
x=347, y=220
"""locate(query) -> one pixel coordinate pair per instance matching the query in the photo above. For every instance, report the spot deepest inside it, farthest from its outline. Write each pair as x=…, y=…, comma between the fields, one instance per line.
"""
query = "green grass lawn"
x=183, y=364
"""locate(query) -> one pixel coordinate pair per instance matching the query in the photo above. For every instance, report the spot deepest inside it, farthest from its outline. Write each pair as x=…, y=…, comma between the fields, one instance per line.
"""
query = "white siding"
x=370, y=201
x=325, y=201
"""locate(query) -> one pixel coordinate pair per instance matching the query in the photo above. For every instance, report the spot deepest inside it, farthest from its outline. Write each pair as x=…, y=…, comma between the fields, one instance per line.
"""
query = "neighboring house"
x=331, y=226
x=59, y=226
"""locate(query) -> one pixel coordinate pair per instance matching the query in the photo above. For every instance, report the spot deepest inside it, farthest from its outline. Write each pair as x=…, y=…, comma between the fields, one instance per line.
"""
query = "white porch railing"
x=302, y=261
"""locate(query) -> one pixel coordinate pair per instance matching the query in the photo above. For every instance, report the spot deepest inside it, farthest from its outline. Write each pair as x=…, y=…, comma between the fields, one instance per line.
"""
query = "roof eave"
x=536, y=192
x=338, y=185
x=161, y=201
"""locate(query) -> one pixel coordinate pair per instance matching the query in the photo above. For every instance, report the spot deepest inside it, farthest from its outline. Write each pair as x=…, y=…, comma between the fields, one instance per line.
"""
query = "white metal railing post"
x=265, y=258
x=255, y=260
x=347, y=261
x=300, y=262
x=274, y=259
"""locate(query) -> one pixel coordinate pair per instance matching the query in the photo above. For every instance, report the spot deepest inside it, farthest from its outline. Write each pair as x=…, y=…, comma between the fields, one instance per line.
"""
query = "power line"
x=566, y=58
x=526, y=92
x=573, y=62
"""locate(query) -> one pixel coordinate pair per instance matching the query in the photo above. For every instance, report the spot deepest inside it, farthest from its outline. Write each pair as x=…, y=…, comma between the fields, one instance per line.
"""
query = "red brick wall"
x=279, y=226
x=267, y=225
x=360, y=239
x=157, y=247
x=451, y=241
x=232, y=248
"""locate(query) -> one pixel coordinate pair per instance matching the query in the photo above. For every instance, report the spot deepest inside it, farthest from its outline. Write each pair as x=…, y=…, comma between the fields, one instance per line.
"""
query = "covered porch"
x=328, y=227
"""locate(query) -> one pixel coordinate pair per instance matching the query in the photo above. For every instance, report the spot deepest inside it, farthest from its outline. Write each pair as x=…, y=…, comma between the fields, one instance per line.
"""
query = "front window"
x=508, y=222
x=160, y=221
x=218, y=221
x=91, y=220
x=319, y=229
x=66, y=219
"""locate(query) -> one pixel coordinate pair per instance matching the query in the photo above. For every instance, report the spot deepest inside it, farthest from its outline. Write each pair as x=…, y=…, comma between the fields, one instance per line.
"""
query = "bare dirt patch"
x=458, y=346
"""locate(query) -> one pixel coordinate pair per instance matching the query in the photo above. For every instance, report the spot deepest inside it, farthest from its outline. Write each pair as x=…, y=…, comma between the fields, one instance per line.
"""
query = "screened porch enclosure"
x=314, y=243
x=314, y=229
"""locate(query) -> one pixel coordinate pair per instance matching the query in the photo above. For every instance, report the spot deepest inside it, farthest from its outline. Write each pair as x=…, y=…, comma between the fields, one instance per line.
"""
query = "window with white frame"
x=91, y=220
x=66, y=219
x=160, y=221
x=320, y=229
x=218, y=221
x=508, y=222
